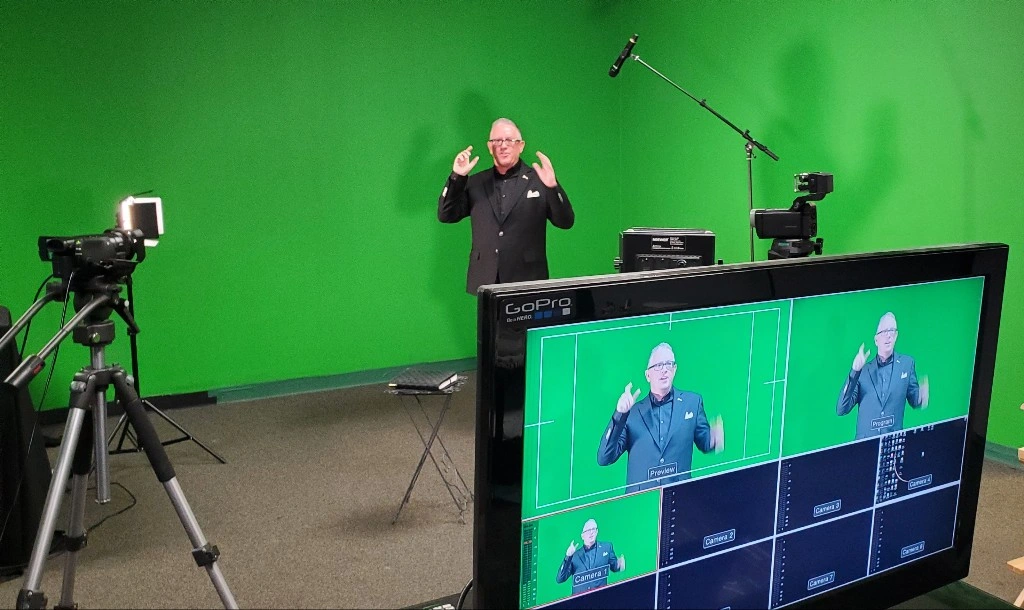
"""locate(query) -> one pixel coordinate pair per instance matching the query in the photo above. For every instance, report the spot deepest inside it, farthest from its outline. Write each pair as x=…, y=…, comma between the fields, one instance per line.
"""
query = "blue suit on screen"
x=657, y=459
x=881, y=403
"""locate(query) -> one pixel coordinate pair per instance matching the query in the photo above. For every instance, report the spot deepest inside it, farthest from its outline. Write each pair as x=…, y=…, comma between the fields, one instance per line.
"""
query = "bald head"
x=503, y=122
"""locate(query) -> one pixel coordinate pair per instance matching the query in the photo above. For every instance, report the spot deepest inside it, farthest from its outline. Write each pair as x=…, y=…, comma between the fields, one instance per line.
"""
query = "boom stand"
x=748, y=147
x=84, y=438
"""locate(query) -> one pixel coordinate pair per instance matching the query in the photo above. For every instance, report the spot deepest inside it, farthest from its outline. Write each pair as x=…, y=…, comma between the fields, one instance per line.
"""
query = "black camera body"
x=108, y=255
x=793, y=229
x=799, y=223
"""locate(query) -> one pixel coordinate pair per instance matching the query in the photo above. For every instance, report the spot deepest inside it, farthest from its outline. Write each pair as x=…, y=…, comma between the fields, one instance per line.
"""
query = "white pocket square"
x=903, y=376
x=689, y=415
x=532, y=194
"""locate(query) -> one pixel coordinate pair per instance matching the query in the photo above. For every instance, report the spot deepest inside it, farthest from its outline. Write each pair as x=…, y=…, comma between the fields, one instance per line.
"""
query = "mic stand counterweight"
x=748, y=147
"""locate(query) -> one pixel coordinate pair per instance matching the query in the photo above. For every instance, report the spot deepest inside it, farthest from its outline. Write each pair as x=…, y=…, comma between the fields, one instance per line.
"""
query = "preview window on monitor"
x=753, y=455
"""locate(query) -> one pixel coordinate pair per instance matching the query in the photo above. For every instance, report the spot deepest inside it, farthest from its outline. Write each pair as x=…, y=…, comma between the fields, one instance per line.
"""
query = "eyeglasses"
x=505, y=141
x=888, y=332
x=592, y=530
x=662, y=366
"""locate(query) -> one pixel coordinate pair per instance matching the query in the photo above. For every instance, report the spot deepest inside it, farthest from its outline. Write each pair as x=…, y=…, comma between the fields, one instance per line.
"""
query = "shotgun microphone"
x=614, y=70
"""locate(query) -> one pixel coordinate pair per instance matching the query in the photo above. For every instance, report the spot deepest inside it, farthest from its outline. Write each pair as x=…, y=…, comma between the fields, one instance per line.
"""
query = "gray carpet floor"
x=302, y=511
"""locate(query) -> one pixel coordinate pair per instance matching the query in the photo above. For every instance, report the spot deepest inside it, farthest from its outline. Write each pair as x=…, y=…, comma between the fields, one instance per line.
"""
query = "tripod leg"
x=30, y=596
x=204, y=553
x=76, y=536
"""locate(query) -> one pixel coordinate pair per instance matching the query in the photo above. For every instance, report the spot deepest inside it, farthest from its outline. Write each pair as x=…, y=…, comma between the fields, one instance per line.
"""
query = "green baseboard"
x=1003, y=454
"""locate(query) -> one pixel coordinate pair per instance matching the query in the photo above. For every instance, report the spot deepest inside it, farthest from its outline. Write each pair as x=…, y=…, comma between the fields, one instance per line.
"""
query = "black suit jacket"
x=510, y=247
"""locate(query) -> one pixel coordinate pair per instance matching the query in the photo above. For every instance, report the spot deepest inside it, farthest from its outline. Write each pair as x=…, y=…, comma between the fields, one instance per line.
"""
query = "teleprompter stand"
x=457, y=488
x=84, y=439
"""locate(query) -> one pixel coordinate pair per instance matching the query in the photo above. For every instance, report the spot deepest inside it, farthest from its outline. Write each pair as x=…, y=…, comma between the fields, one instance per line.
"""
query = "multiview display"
x=745, y=456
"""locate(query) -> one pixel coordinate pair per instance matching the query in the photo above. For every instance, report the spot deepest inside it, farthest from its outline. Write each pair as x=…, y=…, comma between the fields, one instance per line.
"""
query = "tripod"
x=84, y=438
x=792, y=248
x=122, y=424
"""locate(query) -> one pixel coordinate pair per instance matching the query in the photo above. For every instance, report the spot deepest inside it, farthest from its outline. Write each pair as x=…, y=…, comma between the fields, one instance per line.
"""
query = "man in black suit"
x=589, y=564
x=509, y=206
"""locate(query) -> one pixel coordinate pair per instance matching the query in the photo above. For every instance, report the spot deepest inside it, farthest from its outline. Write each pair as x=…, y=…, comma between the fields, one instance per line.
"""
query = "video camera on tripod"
x=94, y=267
x=791, y=230
x=112, y=255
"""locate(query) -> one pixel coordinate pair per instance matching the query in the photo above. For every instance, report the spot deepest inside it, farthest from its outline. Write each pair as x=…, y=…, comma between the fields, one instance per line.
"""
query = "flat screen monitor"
x=802, y=432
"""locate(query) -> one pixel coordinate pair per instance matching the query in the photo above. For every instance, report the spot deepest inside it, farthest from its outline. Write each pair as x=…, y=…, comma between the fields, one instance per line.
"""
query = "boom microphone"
x=614, y=70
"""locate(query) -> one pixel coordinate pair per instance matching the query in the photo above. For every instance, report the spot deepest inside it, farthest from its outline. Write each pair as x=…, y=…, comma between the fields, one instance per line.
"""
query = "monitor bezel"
x=501, y=380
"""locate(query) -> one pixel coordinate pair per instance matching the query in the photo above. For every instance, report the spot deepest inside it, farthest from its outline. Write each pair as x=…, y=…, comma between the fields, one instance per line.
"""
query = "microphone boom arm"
x=745, y=133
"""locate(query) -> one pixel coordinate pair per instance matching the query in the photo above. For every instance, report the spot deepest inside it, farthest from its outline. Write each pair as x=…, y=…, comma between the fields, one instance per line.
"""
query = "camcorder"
x=801, y=220
x=113, y=254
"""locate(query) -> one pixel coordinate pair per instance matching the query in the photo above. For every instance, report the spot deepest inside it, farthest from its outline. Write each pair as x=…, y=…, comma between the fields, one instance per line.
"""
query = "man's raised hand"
x=628, y=399
x=861, y=358
x=462, y=165
x=545, y=172
x=572, y=549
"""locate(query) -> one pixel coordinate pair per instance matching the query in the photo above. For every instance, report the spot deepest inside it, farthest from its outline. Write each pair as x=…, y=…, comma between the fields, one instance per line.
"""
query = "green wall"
x=912, y=105
x=300, y=148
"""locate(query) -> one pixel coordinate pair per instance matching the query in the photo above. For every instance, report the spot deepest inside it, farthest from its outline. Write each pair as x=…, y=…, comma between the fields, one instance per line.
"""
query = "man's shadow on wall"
x=427, y=164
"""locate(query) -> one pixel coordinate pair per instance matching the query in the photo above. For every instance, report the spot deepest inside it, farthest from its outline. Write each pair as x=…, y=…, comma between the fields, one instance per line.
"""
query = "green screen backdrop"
x=300, y=148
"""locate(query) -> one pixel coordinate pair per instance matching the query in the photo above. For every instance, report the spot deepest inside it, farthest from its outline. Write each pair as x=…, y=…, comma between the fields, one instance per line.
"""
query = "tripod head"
x=97, y=294
x=100, y=288
x=792, y=231
x=91, y=328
